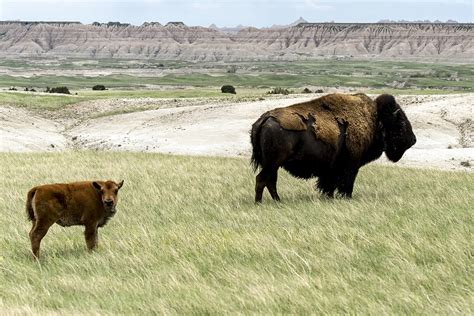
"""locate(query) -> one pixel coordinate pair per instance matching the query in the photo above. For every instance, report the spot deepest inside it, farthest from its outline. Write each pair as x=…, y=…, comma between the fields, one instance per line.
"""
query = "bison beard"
x=330, y=138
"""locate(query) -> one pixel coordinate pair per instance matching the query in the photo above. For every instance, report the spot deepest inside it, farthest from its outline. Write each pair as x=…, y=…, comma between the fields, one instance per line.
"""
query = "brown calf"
x=88, y=203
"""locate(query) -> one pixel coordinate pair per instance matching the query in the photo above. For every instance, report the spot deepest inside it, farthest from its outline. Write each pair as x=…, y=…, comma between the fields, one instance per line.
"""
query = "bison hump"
x=324, y=125
x=288, y=119
x=356, y=112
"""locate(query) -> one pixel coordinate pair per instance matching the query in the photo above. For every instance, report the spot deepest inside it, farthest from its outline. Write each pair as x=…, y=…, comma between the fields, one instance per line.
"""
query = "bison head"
x=108, y=192
x=399, y=135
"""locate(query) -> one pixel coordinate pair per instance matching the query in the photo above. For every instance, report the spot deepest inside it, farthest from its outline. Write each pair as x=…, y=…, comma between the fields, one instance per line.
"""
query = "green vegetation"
x=188, y=239
x=279, y=90
x=99, y=87
x=95, y=64
x=169, y=93
x=39, y=102
x=62, y=90
x=56, y=102
x=228, y=89
x=295, y=74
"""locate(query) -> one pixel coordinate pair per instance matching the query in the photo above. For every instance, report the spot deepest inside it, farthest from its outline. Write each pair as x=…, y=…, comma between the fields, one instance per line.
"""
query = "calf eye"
x=116, y=191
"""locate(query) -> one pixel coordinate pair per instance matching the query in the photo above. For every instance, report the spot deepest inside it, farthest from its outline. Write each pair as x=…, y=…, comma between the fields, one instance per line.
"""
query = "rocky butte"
x=175, y=40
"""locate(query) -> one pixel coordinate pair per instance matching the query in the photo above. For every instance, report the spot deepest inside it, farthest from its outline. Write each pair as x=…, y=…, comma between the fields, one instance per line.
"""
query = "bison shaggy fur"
x=89, y=203
x=329, y=138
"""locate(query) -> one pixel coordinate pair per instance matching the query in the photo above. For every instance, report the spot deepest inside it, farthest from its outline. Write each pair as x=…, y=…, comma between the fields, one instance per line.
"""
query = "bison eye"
x=116, y=191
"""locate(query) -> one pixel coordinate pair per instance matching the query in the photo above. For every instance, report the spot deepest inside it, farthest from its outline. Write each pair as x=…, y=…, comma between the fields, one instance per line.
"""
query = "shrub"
x=306, y=90
x=232, y=69
x=99, y=87
x=228, y=89
x=63, y=90
x=279, y=90
x=466, y=164
x=12, y=89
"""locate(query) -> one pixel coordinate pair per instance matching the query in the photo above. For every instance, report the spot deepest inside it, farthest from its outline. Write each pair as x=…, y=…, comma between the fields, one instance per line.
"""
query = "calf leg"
x=91, y=235
x=32, y=227
x=266, y=178
x=38, y=231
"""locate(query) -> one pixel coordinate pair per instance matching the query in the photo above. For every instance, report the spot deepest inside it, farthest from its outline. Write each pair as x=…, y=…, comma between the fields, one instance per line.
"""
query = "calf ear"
x=97, y=185
x=120, y=184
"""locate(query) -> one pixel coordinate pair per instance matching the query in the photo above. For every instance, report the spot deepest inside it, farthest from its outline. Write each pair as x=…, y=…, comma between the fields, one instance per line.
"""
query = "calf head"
x=399, y=135
x=108, y=193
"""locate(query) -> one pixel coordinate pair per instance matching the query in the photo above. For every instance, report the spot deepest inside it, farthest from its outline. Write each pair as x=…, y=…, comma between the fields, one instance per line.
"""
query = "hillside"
x=454, y=42
x=194, y=126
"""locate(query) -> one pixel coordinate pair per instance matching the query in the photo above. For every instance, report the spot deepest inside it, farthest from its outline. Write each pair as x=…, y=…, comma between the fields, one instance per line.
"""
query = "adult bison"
x=88, y=203
x=330, y=138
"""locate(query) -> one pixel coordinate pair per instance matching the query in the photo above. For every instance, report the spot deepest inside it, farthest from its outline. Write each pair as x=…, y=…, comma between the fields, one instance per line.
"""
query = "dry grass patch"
x=188, y=238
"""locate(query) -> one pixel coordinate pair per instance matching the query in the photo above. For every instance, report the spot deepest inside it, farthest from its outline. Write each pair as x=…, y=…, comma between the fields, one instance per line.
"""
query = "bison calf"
x=87, y=203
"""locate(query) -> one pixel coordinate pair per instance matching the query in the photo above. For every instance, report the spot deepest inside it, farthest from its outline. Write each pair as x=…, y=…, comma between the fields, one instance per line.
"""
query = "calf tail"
x=29, y=205
x=256, y=159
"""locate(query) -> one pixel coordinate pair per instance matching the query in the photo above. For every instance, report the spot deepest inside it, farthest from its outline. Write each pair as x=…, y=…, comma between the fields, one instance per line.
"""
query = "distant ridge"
x=387, y=40
x=417, y=21
x=175, y=24
x=40, y=22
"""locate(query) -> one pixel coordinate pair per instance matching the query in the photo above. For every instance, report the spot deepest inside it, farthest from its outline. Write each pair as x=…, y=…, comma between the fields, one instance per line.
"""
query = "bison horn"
x=396, y=111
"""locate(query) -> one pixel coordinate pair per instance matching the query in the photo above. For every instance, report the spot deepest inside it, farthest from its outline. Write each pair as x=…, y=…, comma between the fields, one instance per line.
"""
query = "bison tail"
x=256, y=159
x=29, y=204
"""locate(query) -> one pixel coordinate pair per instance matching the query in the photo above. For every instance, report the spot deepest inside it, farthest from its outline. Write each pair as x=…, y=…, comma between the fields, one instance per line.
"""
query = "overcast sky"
x=259, y=13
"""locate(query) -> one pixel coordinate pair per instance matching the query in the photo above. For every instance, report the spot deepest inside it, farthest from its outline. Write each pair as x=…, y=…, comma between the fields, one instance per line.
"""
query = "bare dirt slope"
x=23, y=131
x=178, y=41
x=443, y=125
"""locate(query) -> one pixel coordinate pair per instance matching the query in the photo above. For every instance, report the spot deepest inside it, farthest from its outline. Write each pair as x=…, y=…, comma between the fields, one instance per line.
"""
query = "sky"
x=258, y=13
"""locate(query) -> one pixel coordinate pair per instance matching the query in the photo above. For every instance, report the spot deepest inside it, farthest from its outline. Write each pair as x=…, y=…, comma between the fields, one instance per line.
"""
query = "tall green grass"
x=188, y=239
x=39, y=101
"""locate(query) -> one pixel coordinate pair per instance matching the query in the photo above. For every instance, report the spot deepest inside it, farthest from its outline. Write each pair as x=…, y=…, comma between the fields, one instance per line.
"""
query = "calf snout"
x=108, y=202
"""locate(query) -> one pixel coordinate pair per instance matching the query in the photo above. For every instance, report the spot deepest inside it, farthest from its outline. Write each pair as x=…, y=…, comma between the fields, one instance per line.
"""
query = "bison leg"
x=37, y=233
x=327, y=185
x=346, y=184
x=266, y=178
x=259, y=187
x=272, y=185
x=91, y=235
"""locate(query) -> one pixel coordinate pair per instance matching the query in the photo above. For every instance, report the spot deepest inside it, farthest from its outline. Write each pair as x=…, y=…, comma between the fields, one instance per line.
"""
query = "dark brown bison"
x=330, y=138
x=88, y=203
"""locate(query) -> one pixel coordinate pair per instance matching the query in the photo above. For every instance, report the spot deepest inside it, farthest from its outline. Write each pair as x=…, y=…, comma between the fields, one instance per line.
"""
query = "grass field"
x=35, y=101
x=294, y=74
x=188, y=239
x=56, y=102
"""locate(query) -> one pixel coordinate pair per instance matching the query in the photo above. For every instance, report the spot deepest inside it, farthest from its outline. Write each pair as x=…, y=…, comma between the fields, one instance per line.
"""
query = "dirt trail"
x=443, y=125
